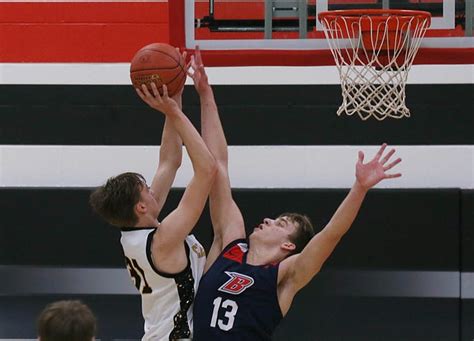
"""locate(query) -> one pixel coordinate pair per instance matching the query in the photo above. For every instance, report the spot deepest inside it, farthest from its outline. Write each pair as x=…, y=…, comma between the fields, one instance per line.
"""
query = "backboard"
x=264, y=32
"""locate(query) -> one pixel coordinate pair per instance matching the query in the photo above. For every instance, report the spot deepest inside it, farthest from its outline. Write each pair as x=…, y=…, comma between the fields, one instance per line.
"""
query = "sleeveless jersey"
x=167, y=299
x=236, y=300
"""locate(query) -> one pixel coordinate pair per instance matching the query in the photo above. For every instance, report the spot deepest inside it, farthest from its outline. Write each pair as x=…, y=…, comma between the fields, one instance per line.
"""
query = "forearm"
x=201, y=158
x=170, y=161
x=311, y=259
x=346, y=213
x=305, y=265
x=171, y=150
x=227, y=221
x=212, y=131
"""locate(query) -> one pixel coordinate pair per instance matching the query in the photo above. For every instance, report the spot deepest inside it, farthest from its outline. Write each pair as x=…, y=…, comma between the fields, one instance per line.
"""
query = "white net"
x=373, y=54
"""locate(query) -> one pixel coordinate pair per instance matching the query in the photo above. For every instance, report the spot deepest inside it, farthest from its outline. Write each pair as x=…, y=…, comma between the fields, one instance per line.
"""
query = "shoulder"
x=195, y=246
x=285, y=269
x=136, y=230
x=286, y=287
x=235, y=250
x=136, y=237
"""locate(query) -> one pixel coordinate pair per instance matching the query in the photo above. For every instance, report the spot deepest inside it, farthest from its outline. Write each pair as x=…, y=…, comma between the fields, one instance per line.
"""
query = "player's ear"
x=288, y=246
x=140, y=207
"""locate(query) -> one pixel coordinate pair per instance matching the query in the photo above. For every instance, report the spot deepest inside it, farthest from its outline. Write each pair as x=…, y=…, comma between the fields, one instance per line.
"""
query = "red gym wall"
x=79, y=31
x=113, y=31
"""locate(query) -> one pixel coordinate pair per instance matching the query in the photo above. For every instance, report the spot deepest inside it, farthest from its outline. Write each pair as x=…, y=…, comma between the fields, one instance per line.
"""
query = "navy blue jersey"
x=236, y=300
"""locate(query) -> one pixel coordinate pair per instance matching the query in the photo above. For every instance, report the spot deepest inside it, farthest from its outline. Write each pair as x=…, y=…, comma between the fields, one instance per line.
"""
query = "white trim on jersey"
x=163, y=295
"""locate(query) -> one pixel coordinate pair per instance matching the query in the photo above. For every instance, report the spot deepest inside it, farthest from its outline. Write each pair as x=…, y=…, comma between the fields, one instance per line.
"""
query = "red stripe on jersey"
x=235, y=253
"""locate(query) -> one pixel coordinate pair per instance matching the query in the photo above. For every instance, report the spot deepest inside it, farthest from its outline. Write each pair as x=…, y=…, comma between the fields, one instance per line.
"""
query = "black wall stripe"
x=368, y=319
x=467, y=262
x=416, y=229
x=251, y=115
x=312, y=318
x=467, y=313
x=118, y=316
x=467, y=224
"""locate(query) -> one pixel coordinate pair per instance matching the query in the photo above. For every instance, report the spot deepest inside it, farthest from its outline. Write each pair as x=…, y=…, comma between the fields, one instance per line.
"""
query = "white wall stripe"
x=116, y=281
x=118, y=74
x=467, y=285
x=249, y=166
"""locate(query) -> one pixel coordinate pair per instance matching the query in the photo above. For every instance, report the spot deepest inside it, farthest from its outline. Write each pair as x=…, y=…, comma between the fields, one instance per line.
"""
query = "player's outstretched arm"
x=170, y=159
x=226, y=217
x=308, y=263
x=179, y=223
x=170, y=156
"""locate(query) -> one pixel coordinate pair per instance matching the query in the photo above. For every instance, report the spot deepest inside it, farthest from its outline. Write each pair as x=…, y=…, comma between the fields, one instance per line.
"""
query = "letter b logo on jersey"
x=237, y=283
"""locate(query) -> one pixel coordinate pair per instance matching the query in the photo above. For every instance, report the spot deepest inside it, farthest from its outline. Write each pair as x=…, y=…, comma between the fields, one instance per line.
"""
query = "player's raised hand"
x=371, y=173
x=163, y=103
x=179, y=94
x=197, y=72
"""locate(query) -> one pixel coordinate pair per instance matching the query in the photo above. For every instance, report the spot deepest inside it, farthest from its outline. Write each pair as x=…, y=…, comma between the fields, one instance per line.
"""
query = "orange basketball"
x=159, y=63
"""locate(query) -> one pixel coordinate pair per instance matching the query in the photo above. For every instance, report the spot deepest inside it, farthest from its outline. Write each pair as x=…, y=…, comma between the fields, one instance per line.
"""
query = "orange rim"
x=376, y=15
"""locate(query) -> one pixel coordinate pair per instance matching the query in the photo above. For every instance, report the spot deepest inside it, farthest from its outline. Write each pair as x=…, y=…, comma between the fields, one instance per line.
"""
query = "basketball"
x=159, y=63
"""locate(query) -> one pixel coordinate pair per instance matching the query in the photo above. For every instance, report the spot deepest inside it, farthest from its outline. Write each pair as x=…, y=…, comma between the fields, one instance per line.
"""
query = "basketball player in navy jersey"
x=165, y=263
x=249, y=283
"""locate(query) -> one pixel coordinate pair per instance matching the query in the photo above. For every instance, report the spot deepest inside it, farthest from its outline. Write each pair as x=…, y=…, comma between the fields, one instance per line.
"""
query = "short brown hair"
x=66, y=321
x=115, y=200
x=304, y=230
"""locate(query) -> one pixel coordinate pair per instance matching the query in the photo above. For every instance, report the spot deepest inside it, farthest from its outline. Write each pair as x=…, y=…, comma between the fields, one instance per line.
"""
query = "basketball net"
x=374, y=51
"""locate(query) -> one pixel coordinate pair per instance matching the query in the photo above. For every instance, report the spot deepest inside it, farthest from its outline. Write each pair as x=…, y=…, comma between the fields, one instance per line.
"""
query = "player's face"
x=146, y=197
x=275, y=231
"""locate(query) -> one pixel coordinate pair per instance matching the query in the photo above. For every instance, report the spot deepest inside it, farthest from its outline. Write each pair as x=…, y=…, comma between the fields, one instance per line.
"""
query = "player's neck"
x=147, y=221
x=260, y=255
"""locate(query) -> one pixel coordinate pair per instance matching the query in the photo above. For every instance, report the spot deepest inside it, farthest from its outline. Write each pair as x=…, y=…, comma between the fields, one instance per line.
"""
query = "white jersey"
x=166, y=299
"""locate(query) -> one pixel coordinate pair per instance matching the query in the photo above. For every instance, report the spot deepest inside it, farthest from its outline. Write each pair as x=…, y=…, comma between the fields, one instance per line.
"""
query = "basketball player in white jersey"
x=164, y=262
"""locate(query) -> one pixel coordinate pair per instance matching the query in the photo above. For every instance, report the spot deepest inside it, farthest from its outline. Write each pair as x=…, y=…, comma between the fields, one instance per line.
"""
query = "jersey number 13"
x=228, y=309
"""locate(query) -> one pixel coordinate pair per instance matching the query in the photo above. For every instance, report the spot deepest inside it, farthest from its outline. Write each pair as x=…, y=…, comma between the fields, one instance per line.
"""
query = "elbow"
x=171, y=165
x=212, y=165
x=176, y=163
x=332, y=237
x=222, y=160
x=209, y=168
x=217, y=239
x=172, y=161
x=213, y=168
x=336, y=237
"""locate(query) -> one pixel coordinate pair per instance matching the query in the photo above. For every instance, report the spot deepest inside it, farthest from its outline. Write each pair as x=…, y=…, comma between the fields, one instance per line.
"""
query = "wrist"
x=205, y=91
x=172, y=111
x=359, y=188
x=178, y=99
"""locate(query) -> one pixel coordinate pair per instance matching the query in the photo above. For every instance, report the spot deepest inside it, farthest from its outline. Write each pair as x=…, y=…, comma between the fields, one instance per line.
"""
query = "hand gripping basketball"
x=161, y=64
